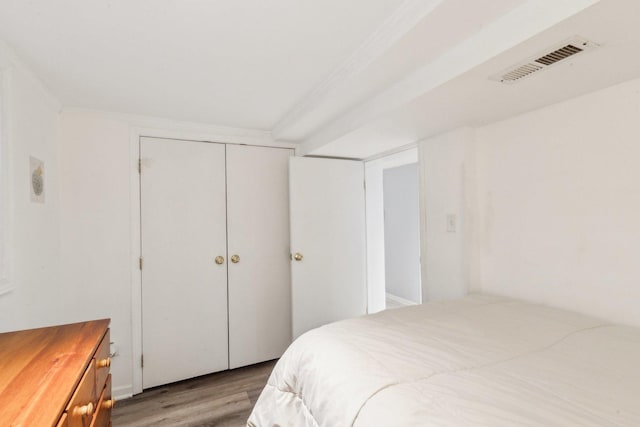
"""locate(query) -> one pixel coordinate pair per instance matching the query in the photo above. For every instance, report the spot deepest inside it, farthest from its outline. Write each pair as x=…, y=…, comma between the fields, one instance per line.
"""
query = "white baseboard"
x=122, y=392
x=400, y=300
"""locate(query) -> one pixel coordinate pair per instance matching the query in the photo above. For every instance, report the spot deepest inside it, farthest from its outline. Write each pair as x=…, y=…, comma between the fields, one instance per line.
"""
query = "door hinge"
x=142, y=360
x=140, y=260
x=139, y=166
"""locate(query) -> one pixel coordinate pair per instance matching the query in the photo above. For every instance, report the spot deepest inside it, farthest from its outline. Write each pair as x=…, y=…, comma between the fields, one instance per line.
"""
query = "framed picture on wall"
x=36, y=171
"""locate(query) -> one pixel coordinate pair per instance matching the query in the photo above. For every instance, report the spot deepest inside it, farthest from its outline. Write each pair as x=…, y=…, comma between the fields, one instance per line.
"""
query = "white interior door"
x=328, y=231
x=258, y=233
x=184, y=291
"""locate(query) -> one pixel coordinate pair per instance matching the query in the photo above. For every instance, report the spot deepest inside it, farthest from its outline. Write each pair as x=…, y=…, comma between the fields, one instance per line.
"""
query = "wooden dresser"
x=56, y=376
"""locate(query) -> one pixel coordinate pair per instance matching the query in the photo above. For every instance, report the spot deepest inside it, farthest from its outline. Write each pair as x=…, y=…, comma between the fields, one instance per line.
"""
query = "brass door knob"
x=235, y=259
x=103, y=363
x=219, y=260
x=84, y=409
x=298, y=256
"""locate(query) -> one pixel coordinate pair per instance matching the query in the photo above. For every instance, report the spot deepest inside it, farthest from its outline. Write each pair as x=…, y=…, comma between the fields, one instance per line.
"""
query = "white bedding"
x=481, y=361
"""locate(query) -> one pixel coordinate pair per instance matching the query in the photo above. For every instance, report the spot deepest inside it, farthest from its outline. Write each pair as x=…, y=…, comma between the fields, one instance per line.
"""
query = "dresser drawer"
x=83, y=403
x=103, y=415
x=103, y=363
x=63, y=421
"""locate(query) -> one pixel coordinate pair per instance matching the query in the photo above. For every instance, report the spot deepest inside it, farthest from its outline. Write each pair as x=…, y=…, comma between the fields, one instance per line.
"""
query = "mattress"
x=479, y=361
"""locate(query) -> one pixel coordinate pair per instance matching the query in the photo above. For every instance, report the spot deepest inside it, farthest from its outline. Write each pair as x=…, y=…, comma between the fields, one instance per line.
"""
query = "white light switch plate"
x=451, y=223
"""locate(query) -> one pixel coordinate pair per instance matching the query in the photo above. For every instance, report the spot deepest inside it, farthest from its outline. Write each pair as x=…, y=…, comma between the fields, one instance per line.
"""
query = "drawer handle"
x=103, y=363
x=84, y=409
x=108, y=404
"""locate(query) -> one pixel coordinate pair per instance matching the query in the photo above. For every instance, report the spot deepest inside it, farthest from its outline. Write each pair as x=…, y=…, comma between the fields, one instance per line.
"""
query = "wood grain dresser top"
x=40, y=369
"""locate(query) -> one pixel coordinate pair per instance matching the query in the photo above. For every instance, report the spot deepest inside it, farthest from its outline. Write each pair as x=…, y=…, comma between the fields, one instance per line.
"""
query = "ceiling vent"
x=549, y=57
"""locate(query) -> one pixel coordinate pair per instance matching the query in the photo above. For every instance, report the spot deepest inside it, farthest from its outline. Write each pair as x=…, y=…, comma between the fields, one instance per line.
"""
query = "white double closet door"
x=200, y=201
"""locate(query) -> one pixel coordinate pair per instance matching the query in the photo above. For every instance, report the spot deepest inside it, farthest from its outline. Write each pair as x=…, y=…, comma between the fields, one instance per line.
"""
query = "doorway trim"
x=374, y=168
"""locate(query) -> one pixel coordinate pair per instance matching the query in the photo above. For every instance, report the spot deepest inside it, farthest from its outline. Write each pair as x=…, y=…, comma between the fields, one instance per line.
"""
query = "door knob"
x=235, y=259
x=219, y=260
x=298, y=256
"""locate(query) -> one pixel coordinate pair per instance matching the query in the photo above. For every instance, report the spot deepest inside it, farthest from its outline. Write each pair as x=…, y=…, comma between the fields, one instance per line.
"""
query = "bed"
x=481, y=361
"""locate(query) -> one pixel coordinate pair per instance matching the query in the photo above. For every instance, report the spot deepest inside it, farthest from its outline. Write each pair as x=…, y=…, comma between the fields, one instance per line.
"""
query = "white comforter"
x=480, y=361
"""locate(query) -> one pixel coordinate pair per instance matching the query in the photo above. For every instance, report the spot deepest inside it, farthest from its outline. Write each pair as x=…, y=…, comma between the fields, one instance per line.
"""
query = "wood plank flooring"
x=224, y=399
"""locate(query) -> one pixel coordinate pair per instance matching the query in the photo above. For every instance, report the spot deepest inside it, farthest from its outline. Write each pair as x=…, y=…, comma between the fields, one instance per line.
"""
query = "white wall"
x=373, y=170
x=558, y=209
x=36, y=298
x=95, y=229
x=547, y=203
x=447, y=168
x=402, y=232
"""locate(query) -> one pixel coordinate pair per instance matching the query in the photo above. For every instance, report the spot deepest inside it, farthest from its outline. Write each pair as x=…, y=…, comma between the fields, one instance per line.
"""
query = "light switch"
x=451, y=223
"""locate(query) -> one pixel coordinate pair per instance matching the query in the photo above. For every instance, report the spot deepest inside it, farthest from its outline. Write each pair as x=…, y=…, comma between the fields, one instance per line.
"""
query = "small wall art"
x=36, y=170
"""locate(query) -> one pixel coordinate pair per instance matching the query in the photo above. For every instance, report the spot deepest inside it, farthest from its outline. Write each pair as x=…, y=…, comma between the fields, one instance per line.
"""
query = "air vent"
x=559, y=55
x=544, y=60
x=520, y=72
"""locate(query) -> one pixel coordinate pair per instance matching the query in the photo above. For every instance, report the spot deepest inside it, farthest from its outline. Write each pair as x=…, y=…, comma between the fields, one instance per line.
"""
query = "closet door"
x=184, y=290
x=258, y=227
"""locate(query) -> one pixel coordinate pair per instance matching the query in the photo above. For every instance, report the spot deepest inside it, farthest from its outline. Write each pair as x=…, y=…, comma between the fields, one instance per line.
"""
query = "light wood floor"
x=224, y=399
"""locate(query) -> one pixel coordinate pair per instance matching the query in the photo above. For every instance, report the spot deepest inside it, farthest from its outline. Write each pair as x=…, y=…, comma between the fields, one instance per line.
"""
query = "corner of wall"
x=31, y=121
x=9, y=59
x=447, y=170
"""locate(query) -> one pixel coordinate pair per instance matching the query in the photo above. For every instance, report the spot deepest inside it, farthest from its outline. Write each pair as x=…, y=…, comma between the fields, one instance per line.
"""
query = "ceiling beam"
x=403, y=20
x=518, y=25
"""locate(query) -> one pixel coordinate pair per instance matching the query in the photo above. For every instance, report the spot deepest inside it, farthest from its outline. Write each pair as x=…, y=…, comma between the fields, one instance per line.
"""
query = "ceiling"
x=341, y=78
x=240, y=63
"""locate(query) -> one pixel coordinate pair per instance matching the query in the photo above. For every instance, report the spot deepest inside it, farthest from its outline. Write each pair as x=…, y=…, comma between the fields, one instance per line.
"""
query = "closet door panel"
x=184, y=291
x=258, y=232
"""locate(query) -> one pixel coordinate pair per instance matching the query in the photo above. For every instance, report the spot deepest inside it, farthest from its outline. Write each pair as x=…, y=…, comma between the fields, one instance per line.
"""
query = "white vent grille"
x=559, y=55
x=544, y=60
x=520, y=72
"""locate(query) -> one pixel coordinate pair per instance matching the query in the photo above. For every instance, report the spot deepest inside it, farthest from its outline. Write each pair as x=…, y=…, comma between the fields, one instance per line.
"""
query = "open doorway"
x=393, y=231
x=401, y=235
